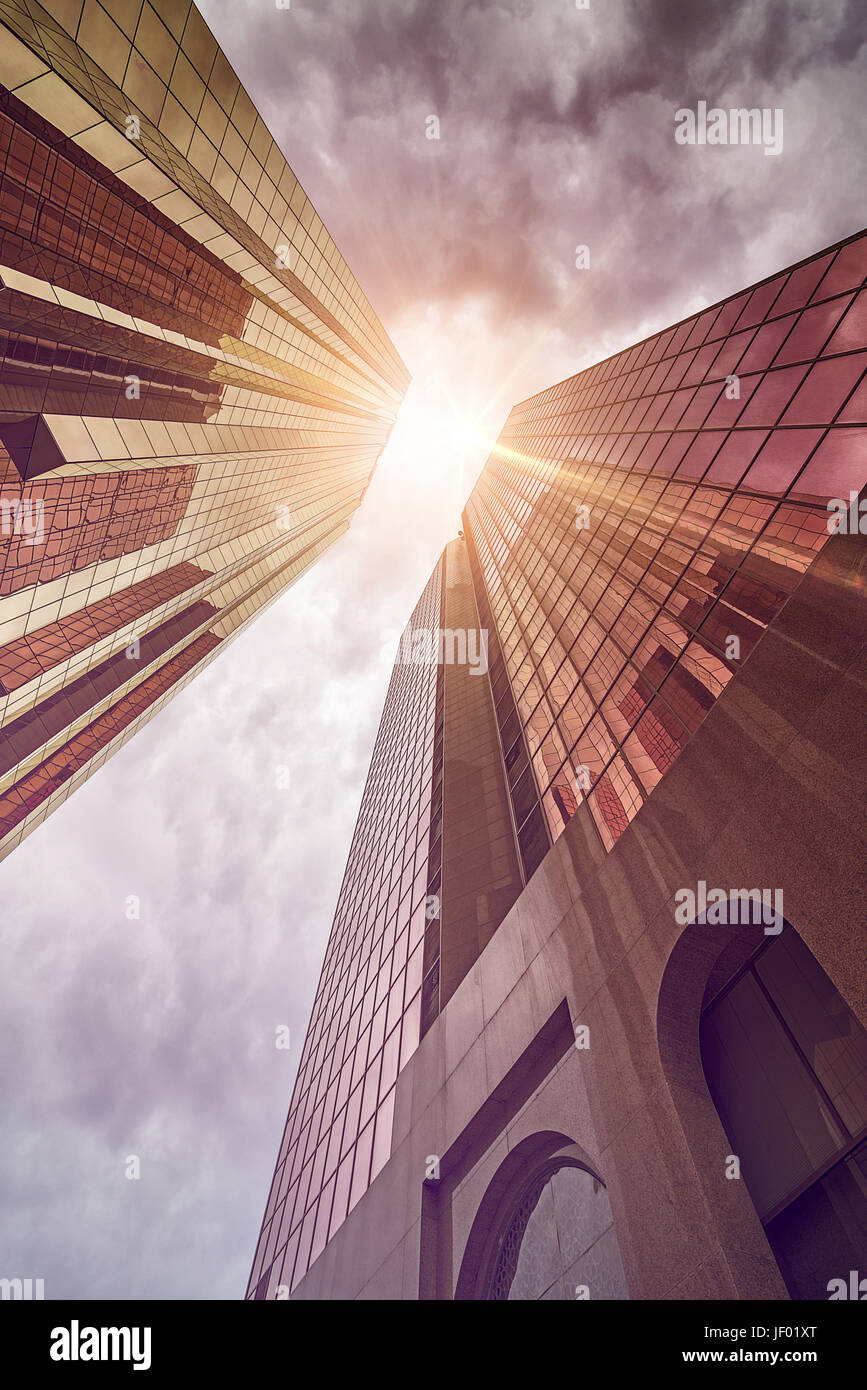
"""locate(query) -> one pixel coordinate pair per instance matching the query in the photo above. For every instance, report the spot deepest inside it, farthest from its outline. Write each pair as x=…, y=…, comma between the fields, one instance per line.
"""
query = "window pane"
x=774, y=1115
x=826, y=1030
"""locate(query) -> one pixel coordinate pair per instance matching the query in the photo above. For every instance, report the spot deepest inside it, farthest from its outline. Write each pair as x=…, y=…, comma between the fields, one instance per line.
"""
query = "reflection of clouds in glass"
x=560, y=1237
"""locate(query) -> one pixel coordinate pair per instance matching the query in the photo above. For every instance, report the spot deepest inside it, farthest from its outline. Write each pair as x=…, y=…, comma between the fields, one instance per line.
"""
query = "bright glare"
x=436, y=436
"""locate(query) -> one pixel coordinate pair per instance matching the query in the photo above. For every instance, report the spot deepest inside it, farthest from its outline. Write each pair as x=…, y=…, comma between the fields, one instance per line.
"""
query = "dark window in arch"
x=558, y=1237
x=786, y=1064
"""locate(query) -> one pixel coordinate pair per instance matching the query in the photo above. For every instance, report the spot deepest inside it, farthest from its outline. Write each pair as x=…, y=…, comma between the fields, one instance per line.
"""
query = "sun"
x=434, y=434
x=430, y=420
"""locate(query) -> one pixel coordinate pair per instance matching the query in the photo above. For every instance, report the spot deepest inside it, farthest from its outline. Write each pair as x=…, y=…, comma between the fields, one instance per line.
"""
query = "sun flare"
x=435, y=435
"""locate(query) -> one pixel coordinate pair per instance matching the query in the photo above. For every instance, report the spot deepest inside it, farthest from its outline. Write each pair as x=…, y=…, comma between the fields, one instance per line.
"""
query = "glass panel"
x=823, y=1235
x=824, y=1026
x=560, y=1238
x=776, y=1120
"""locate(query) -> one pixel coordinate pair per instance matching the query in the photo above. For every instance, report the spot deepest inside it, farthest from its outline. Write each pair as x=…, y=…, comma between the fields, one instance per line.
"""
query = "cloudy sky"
x=155, y=1037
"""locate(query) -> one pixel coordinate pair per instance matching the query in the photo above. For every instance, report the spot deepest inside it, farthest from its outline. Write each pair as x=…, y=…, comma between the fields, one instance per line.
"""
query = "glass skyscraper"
x=639, y=525
x=194, y=389
x=636, y=533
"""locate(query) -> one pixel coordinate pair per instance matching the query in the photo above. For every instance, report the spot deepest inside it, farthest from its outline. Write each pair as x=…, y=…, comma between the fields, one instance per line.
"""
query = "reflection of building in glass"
x=393, y=869
x=523, y=1076
x=194, y=390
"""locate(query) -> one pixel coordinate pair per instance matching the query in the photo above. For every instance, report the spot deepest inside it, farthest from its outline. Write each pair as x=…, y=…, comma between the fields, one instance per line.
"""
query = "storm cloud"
x=154, y=1035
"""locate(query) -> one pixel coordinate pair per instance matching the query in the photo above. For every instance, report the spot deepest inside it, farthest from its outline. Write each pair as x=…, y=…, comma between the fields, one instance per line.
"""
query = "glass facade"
x=639, y=525
x=366, y=1015
x=559, y=1243
x=194, y=390
x=633, y=533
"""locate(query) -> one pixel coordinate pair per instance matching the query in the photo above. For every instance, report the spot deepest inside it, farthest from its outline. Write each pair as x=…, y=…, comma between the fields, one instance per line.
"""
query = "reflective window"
x=559, y=1242
x=786, y=1063
x=640, y=524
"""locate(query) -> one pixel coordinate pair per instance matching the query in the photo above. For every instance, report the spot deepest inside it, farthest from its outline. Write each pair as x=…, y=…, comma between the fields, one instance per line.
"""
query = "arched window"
x=786, y=1064
x=556, y=1240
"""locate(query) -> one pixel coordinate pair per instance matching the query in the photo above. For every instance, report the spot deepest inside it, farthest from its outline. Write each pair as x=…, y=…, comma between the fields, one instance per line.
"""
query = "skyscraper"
x=194, y=390
x=591, y=1018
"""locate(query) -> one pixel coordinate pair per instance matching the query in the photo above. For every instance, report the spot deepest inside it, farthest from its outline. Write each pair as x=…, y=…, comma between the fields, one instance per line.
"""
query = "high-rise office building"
x=591, y=1018
x=194, y=390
